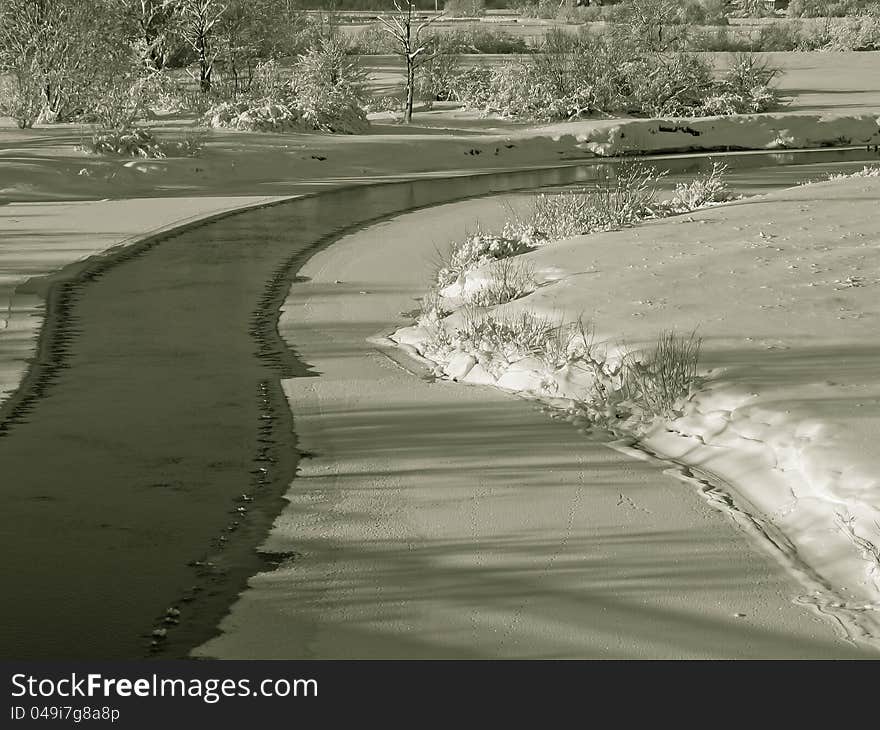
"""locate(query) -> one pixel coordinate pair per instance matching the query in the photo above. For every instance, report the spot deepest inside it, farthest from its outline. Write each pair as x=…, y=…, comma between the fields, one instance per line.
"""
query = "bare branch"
x=426, y=24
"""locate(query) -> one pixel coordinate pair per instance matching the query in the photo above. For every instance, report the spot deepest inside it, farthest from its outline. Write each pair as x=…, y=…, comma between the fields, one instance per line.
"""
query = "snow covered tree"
x=407, y=28
x=198, y=25
x=650, y=25
x=58, y=53
x=149, y=25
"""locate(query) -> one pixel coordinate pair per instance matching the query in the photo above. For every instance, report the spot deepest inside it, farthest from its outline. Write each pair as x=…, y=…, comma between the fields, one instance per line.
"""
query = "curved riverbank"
x=157, y=394
x=432, y=520
x=148, y=464
x=779, y=288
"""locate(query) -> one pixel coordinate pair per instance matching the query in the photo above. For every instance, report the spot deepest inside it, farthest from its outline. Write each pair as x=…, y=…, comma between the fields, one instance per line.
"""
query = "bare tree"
x=198, y=28
x=413, y=47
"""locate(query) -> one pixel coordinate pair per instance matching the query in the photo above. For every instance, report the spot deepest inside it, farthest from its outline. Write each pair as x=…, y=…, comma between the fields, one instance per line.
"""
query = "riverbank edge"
x=717, y=470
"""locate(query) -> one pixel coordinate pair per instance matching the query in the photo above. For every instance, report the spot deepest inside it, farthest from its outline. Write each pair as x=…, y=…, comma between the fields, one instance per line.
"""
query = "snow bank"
x=740, y=132
x=807, y=476
x=790, y=415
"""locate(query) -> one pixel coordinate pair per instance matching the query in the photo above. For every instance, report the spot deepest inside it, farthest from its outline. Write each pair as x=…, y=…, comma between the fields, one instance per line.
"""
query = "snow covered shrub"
x=163, y=94
x=718, y=39
x=323, y=92
x=383, y=104
x=122, y=101
x=671, y=85
x=866, y=171
x=327, y=86
x=830, y=8
x=705, y=189
x=140, y=142
x=432, y=310
x=582, y=75
x=507, y=280
x=479, y=40
x=724, y=103
x=437, y=78
x=629, y=197
x=269, y=80
x=747, y=71
x=191, y=145
x=497, y=340
x=704, y=12
x=752, y=9
x=544, y=9
x=482, y=248
x=254, y=116
x=656, y=382
x=860, y=33
x=127, y=142
x=21, y=97
x=472, y=86
x=464, y=8
x=372, y=41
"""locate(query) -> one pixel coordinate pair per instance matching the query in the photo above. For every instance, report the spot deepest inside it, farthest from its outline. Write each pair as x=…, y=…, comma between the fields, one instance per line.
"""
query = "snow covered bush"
x=21, y=97
x=482, y=248
x=745, y=88
x=122, y=101
x=725, y=103
x=126, y=142
x=140, y=142
x=497, y=340
x=671, y=85
x=656, y=382
x=372, y=41
x=327, y=88
x=705, y=189
x=437, y=78
x=323, y=92
x=630, y=196
x=383, y=104
x=631, y=391
x=859, y=33
x=505, y=281
x=249, y=116
x=866, y=171
x=432, y=310
x=464, y=8
x=190, y=145
x=585, y=75
x=829, y=8
x=546, y=87
x=163, y=94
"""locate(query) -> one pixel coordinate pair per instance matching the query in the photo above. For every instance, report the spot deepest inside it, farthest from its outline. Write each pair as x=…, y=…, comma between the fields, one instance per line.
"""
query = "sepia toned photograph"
x=412, y=329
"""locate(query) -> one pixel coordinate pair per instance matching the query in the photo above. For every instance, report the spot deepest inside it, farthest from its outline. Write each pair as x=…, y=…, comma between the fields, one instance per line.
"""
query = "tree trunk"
x=204, y=72
x=410, y=91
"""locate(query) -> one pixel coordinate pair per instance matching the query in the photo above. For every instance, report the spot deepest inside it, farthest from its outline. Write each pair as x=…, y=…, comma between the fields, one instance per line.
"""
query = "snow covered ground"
x=789, y=415
x=431, y=520
x=783, y=290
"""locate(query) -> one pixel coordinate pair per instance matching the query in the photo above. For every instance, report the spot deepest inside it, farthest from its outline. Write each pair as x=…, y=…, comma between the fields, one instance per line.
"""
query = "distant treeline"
x=387, y=4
